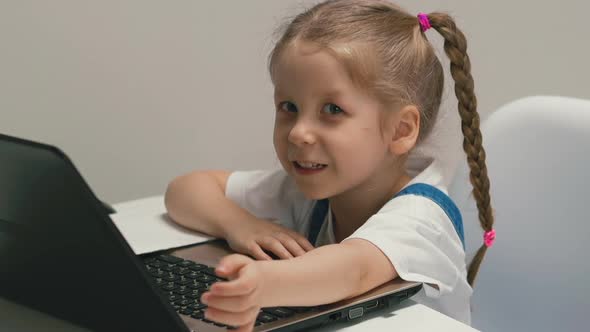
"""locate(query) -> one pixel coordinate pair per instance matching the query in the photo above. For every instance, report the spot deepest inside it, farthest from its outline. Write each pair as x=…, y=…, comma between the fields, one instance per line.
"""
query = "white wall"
x=137, y=92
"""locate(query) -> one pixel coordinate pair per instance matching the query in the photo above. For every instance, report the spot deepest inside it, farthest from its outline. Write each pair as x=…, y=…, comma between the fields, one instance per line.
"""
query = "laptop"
x=61, y=254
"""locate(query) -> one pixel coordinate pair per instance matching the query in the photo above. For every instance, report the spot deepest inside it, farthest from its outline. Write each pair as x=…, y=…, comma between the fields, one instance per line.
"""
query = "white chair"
x=536, y=275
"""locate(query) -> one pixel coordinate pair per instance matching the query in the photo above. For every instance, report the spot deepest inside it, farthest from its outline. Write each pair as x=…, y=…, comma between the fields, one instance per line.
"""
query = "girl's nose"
x=302, y=133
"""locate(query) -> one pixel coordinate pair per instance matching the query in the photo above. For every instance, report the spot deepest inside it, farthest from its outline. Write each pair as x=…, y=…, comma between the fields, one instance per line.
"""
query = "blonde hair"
x=386, y=53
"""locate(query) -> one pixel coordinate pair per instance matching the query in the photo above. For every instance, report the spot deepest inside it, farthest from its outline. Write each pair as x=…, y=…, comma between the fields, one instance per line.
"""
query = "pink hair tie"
x=424, y=21
x=489, y=237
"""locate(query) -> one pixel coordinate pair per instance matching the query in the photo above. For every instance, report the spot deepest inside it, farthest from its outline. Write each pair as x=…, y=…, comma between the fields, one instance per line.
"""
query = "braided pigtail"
x=455, y=46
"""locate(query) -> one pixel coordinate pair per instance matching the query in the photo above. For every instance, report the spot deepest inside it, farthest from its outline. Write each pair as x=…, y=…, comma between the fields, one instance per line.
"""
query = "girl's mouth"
x=308, y=168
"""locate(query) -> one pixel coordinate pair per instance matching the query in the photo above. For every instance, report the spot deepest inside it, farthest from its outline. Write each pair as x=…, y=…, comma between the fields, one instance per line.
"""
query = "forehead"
x=307, y=65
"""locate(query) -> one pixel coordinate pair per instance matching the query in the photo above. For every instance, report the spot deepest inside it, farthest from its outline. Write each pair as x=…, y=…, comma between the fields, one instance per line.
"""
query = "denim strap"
x=318, y=215
x=440, y=198
x=320, y=209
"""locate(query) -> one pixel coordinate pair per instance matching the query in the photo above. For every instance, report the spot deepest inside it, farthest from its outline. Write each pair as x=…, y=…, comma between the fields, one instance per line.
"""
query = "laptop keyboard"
x=183, y=282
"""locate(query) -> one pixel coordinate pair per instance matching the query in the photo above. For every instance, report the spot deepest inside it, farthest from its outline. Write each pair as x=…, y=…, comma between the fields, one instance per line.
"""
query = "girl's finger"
x=233, y=304
x=272, y=244
x=237, y=287
x=246, y=317
x=290, y=244
x=303, y=242
x=258, y=253
x=231, y=264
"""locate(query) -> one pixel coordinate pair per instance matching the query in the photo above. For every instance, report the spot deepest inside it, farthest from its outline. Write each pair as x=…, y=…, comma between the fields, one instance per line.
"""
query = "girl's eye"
x=332, y=109
x=288, y=106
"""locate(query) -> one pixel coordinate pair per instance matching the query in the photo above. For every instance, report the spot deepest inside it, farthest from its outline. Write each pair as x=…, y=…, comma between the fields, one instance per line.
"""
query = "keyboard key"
x=196, y=293
x=197, y=285
x=186, y=311
x=265, y=317
x=205, y=278
x=157, y=264
x=169, y=286
x=157, y=273
x=210, y=271
x=184, y=281
x=170, y=276
x=168, y=267
x=197, y=267
x=181, y=270
x=183, y=302
x=186, y=263
x=197, y=306
x=149, y=260
x=170, y=259
x=279, y=312
x=199, y=314
x=181, y=290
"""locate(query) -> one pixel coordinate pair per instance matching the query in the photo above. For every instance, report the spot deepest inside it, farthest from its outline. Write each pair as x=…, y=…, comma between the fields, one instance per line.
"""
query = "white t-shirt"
x=413, y=232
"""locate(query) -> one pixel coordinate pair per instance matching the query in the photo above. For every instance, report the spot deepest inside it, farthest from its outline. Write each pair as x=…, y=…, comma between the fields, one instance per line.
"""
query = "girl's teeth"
x=310, y=165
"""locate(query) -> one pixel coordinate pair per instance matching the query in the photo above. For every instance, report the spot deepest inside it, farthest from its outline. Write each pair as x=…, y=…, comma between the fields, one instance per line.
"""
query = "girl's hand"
x=259, y=235
x=236, y=302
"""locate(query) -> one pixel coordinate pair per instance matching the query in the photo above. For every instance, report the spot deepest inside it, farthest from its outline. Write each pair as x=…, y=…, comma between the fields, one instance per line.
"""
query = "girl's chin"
x=312, y=192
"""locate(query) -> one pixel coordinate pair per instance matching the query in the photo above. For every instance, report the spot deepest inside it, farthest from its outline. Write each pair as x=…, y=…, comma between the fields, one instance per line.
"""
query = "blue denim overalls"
x=320, y=209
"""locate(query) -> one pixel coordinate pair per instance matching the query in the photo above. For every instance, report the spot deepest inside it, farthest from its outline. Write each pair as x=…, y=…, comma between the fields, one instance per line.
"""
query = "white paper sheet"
x=147, y=228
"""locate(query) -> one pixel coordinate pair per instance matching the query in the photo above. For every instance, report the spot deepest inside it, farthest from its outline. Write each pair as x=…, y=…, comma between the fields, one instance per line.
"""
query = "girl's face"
x=327, y=132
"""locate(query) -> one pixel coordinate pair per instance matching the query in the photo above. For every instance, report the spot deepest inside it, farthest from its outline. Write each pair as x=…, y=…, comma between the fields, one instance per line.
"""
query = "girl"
x=357, y=87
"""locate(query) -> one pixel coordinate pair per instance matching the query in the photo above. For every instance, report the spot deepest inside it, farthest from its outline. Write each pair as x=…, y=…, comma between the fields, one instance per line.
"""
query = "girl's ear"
x=406, y=129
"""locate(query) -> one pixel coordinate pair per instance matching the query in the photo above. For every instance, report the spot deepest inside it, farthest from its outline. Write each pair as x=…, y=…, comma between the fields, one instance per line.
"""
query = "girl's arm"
x=324, y=275
x=328, y=274
x=197, y=200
